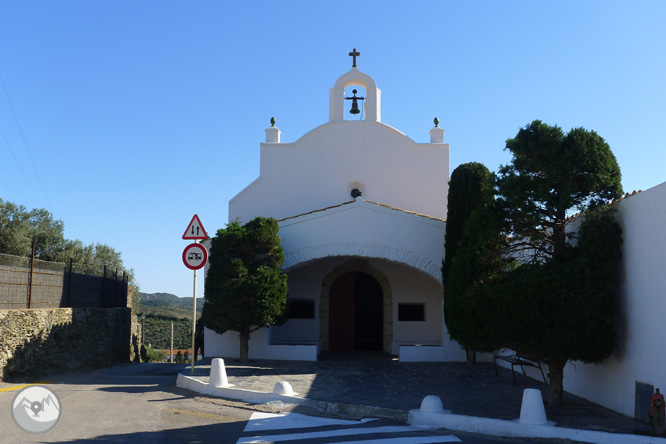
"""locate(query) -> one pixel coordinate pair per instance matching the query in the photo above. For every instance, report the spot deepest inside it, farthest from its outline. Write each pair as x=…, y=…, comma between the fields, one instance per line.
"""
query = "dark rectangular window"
x=301, y=309
x=411, y=312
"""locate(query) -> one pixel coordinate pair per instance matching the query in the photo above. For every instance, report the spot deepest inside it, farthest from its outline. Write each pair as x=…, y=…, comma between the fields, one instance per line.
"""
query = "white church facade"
x=361, y=209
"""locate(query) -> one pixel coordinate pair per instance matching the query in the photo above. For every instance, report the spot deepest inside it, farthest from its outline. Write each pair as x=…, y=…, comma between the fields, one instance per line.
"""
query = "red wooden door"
x=341, y=312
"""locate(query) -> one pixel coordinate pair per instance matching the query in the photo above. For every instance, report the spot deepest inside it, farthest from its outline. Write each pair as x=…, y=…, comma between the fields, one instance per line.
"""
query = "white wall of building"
x=260, y=347
x=305, y=283
x=365, y=229
x=408, y=285
x=322, y=167
x=641, y=355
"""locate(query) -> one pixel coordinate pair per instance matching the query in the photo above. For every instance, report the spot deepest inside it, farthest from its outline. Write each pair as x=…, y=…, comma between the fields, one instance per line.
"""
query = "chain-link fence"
x=32, y=283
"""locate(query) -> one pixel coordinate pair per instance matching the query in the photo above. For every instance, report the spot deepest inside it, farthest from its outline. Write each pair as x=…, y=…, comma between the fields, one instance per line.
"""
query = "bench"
x=520, y=360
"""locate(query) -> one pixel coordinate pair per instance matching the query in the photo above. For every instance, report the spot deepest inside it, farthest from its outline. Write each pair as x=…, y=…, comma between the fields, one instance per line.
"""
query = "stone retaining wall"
x=36, y=342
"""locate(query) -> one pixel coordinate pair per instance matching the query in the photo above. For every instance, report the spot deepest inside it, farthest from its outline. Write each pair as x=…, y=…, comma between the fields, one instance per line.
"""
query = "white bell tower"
x=336, y=105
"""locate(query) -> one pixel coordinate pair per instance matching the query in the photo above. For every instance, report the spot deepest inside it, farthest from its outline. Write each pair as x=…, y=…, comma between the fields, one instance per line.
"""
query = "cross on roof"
x=354, y=54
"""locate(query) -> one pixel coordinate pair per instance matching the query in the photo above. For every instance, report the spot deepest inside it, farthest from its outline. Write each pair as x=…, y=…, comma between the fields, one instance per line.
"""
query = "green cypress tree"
x=477, y=266
x=470, y=188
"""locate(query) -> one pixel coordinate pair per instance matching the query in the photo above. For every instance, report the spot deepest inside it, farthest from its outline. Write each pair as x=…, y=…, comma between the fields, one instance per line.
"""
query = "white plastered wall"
x=408, y=285
x=406, y=247
x=365, y=229
x=641, y=350
x=641, y=355
x=321, y=168
x=260, y=347
x=305, y=283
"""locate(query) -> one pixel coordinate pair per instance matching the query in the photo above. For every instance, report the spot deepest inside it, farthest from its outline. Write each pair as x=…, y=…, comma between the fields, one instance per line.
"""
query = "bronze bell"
x=354, y=107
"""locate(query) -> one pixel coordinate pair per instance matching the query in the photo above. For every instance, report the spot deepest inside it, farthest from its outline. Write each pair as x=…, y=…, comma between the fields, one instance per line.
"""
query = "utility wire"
x=26, y=145
x=20, y=168
x=11, y=196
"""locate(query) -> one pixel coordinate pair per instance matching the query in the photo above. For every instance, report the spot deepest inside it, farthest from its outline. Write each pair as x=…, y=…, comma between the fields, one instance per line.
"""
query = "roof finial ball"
x=273, y=133
x=436, y=133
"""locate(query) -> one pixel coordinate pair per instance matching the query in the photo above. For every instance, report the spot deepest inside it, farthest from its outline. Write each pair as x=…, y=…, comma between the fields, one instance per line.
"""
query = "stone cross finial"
x=354, y=54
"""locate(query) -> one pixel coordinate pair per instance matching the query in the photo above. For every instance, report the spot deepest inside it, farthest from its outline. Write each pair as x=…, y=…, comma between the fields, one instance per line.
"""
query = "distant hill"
x=167, y=304
x=161, y=309
x=167, y=297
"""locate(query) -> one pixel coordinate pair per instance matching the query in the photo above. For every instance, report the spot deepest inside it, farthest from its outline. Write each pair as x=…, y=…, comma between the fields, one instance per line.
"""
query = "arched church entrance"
x=355, y=313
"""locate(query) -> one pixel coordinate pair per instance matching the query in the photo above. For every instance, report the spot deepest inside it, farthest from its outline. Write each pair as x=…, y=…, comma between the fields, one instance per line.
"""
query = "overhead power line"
x=25, y=144
x=18, y=164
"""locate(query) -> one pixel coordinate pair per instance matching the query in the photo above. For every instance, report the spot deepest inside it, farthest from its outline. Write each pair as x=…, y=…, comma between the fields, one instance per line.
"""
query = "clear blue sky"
x=137, y=115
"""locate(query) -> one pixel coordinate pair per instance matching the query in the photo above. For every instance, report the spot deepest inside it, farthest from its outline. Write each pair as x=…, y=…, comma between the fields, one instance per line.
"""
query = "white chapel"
x=361, y=209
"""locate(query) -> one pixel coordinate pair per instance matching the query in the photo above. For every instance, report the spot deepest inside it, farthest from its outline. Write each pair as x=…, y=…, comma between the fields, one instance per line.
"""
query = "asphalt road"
x=139, y=404
x=127, y=404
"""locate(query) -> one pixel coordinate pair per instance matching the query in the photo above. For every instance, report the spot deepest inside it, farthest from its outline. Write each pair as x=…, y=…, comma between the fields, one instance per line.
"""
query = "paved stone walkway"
x=383, y=382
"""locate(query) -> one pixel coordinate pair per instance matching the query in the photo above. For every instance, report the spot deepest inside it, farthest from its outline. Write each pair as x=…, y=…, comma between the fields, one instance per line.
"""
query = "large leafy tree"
x=90, y=258
x=562, y=309
x=551, y=176
x=245, y=288
x=470, y=188
x=20, y=227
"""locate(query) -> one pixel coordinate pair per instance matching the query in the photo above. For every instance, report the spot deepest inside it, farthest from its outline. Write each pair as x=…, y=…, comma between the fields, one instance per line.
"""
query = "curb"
x=514, y=429
x=419, y=418
x=325, y=408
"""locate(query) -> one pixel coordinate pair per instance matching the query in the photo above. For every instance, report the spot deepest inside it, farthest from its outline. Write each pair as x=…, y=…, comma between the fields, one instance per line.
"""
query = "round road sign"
x=195, y=256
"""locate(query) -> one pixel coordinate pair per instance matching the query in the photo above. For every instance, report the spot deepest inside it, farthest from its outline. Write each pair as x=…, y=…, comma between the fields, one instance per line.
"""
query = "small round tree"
x=245, y=288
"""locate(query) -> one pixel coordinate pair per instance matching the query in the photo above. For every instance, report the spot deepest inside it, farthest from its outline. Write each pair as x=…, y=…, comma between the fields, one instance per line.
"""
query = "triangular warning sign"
x=195, y=230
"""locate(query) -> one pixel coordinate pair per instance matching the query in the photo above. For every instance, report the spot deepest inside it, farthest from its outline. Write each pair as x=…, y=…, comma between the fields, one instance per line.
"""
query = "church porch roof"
x=362, y=200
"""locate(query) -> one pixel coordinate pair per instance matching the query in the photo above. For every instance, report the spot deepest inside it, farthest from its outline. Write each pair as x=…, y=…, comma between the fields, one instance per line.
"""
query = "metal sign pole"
x=195, y=257
x=194, y=318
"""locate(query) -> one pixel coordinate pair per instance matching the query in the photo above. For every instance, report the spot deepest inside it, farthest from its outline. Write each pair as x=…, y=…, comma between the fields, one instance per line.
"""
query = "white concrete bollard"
x=283, y=388
x=532, y=410
x=218, y=374
x=433, y=404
